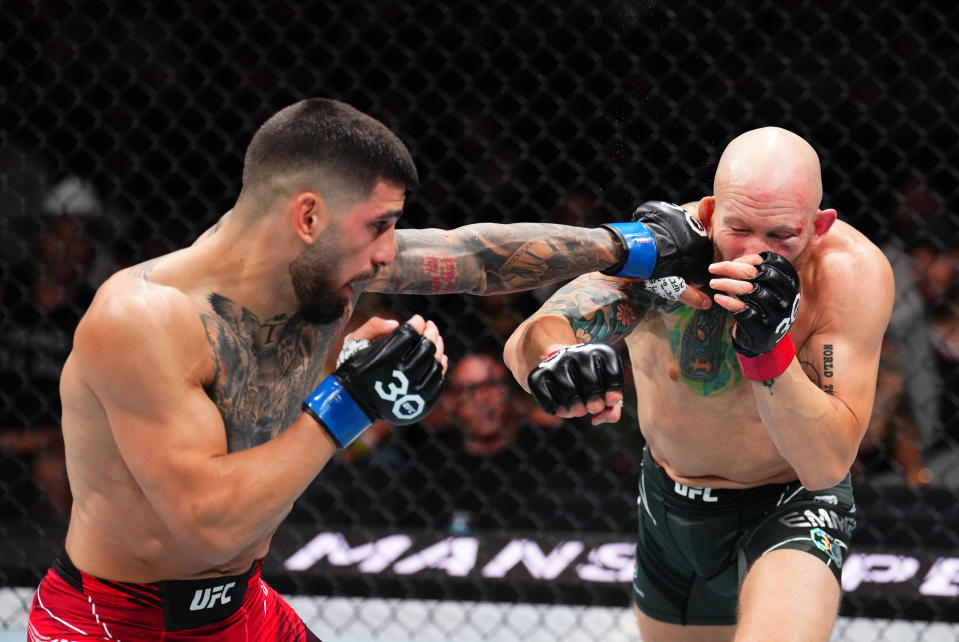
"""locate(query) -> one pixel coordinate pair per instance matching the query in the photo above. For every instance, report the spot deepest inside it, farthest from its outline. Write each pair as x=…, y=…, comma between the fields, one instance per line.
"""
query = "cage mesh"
x=122, y=132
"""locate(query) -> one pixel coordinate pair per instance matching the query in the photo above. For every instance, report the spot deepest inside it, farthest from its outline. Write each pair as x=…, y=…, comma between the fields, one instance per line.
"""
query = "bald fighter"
x=752, y=409
x=193, y=410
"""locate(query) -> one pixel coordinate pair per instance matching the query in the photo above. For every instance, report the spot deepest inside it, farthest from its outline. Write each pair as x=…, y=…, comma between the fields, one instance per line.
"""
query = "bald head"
x=766, y=197
x=770, y=165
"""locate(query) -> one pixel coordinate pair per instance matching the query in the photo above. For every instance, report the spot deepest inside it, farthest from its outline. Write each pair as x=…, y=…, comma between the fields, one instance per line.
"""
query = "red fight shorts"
x=70, y=605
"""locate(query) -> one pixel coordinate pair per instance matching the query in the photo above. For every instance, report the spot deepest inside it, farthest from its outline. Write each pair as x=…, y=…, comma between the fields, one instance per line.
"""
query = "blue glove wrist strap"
x=640, y=250
x=337, y=411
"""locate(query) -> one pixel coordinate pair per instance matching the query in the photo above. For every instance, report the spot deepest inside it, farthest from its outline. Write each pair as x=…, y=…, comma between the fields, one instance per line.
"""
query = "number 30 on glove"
x=395, y=377
x=761, y=337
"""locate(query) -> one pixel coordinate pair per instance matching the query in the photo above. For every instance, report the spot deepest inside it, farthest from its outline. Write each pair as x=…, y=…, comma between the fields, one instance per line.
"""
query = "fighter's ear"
x=309, y=215
x=707, y=205
x=823, y=222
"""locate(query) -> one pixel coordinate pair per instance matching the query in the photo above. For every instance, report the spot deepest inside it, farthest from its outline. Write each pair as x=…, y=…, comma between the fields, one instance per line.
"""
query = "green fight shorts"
x=696, y=544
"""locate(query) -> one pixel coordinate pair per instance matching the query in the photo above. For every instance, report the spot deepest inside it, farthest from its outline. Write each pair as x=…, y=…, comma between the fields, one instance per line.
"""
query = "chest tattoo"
x=700, y=341
x=264, y=369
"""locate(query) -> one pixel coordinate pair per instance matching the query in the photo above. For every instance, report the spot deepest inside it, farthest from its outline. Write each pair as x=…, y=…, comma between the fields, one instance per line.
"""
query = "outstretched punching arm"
x=662, y=240
x=491, y=258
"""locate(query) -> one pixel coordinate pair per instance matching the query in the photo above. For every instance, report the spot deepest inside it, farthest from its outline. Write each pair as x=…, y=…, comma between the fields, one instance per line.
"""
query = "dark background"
x=546, y=110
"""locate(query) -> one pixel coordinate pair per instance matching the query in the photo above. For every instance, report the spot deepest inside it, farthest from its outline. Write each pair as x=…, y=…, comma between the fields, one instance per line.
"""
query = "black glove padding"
x=575, y=374
x=770, y=308
x=396, y=378
x=682, y=246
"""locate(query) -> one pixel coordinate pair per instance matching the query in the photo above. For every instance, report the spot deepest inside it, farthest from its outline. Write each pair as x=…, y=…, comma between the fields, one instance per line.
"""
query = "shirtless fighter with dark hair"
x=192, y=418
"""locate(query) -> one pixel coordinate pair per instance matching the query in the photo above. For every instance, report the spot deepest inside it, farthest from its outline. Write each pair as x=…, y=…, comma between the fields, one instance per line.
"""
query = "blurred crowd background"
x=122, y=131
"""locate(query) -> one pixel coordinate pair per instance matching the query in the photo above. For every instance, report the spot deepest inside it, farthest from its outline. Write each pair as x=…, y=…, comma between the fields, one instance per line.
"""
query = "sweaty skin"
x=704, y=423
x=185, y=441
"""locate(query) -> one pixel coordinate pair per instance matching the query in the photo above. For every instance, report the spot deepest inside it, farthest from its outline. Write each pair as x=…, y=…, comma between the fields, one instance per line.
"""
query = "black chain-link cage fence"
x=123, y=131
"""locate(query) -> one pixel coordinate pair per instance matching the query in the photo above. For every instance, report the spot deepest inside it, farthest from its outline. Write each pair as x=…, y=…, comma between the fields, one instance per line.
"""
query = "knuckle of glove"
x=390, y=347
x=568, y=388
x=778, y=278
x=770, y=308
x=653, y=210
x=605, y=369
x=433, y=382
x=777, y=262
x=574, y=375
x=392, y=379
x=762, y=299
x=683, y=247
x=419, y=358
x=539, y=386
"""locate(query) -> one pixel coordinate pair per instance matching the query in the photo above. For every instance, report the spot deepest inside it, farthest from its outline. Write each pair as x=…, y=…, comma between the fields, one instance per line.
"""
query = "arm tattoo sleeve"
x=489, y=258
x=600, y=309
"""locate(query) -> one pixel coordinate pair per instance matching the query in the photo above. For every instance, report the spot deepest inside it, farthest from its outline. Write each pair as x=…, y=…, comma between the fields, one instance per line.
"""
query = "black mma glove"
x=761, y=336
x=395, y=377
x=575, y=374
x=663, y=240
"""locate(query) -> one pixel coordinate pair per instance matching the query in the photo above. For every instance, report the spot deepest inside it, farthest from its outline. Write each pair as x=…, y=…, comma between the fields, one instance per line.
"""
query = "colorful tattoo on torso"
x=700, y=341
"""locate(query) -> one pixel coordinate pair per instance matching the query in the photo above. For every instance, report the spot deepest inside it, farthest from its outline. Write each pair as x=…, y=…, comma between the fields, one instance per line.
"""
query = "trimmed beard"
x=314, y=288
